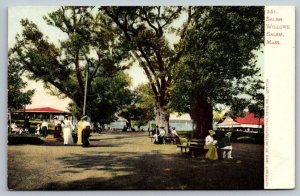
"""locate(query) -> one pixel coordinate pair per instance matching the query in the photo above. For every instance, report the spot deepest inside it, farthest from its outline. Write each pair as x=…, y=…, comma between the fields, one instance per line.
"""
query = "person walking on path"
x=86, y=132
x=79, y=131
x=210, y=145
x=57, y=128
x=44, y=126
x=67, y=131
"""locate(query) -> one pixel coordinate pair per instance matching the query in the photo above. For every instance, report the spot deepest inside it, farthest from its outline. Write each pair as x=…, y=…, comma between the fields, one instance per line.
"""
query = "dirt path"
x=129, y=161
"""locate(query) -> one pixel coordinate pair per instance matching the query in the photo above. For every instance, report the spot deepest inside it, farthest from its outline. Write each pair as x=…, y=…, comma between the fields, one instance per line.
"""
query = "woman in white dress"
x=67, y=130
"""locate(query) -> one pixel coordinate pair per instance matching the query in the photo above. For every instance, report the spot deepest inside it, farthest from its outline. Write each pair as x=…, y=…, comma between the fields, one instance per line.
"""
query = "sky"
x=35, y=13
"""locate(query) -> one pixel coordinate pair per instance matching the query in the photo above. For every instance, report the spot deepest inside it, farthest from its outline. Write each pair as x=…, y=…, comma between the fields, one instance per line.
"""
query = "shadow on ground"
x=153, y=171
x=127, y=162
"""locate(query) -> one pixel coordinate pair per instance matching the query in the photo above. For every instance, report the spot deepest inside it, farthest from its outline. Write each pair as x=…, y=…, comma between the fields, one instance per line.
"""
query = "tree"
x=218, y=66
x=145, y=31
x=17, y=96
x=92, y=45
x=256, y=105
x=140, y=111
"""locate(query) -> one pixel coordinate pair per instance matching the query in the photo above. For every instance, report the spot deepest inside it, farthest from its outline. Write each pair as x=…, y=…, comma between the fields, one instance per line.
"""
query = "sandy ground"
x=129, y=161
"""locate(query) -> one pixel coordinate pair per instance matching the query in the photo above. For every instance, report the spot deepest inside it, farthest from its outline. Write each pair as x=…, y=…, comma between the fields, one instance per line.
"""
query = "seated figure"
x=210, y=145
x=225, y=144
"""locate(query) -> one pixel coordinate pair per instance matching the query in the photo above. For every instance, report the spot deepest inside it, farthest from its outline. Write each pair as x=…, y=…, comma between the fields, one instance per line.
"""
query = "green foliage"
x=17, y=97
x=219, y=59
x=145, y=30
x=93, y=44
x=140, y=111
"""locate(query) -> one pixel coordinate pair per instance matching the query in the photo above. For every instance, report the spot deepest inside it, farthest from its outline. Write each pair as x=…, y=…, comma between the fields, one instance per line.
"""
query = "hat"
x=83, y=117
x=212, y=132
x=228, y=134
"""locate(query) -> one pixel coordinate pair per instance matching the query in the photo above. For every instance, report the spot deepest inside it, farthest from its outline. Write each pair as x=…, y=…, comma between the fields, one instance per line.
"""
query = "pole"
x=9, y=116
x=85, y=88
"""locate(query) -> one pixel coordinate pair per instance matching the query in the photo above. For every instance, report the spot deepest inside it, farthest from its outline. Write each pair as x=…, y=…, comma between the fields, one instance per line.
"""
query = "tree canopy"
x=219, y=65
x=193, y=57
x=145, y=30
x=17, y=96
x=90, y=38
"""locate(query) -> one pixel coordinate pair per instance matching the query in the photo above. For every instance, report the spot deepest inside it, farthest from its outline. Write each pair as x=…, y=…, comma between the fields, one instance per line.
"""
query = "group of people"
x=160, y=135
x=66, y=128
x=212, y=146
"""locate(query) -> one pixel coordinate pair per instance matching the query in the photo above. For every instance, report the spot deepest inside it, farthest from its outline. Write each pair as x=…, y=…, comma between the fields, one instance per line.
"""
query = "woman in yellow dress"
x=210, y=144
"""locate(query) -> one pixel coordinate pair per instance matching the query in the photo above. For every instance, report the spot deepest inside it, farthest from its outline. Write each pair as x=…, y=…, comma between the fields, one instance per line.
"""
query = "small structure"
x=42, y=113
x=248, y=123
x=229, y=123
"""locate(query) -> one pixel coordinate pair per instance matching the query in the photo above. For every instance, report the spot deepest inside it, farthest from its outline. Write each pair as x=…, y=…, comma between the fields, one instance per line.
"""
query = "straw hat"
x=212, y=132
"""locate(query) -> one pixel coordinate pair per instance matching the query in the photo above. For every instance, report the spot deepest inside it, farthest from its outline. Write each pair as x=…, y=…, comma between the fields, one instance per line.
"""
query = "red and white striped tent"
x=249, y=121
x=228, y=123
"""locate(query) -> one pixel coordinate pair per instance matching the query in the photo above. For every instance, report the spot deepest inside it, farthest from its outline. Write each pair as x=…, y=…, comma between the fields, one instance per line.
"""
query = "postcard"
x=151, y=97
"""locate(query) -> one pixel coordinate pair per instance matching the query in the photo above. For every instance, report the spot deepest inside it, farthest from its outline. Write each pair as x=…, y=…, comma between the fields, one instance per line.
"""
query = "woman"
x=210, y=145
x=67, y=132
x=86, y=132
x=79, y=130
x=57, y=129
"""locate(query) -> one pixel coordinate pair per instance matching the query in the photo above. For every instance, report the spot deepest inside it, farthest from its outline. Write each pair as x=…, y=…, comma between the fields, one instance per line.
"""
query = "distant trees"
x=141, y=109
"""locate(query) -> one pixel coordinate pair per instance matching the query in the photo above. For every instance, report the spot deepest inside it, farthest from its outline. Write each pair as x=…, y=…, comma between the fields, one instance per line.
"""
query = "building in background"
x=47, y=113
x=248, y=123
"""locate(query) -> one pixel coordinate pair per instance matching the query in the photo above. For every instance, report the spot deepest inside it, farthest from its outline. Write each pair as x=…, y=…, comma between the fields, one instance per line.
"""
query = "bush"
x=17, y=140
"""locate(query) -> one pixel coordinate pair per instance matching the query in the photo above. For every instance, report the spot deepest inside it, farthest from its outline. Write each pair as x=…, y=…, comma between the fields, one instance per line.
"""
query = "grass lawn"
x=129, y=161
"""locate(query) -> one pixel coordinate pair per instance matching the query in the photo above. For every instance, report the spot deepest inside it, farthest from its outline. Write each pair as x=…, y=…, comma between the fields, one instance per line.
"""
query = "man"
x=161, y=135
x=226, y=146
x=44, y=128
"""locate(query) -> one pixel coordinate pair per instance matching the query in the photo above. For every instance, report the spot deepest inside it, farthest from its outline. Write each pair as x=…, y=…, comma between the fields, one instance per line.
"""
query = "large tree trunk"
x=161, y=117
x=202, y=115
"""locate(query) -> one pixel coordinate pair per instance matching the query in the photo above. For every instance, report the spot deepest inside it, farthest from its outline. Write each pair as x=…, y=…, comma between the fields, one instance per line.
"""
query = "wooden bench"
x=166, y=138
x=183, y=147
x=194, y=145
x=197, y=145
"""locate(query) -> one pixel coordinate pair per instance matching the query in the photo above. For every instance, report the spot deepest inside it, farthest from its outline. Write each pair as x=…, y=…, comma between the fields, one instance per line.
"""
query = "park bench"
x=193, y=145
x=166, y=139
x=196, y=146
x=183, y=146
